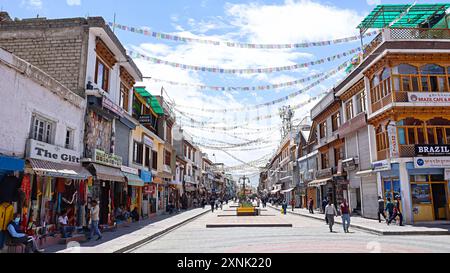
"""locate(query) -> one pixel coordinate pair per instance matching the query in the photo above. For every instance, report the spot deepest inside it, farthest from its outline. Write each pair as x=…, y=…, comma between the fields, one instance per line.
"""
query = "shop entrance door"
x=439, y=201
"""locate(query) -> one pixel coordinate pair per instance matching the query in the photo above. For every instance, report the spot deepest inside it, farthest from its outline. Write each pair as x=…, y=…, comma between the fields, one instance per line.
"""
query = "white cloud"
x=73, y=2
x=296, y=21
x=32, y=4
x=373, y=2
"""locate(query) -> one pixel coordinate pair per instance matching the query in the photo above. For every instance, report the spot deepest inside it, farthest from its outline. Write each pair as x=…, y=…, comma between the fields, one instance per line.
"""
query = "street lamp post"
x=243, y=179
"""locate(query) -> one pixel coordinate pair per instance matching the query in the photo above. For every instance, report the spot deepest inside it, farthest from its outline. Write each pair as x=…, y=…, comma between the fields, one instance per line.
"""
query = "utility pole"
x=244, y=178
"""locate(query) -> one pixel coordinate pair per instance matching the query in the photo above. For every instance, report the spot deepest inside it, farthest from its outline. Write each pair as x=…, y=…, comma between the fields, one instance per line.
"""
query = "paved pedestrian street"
x=305, y=236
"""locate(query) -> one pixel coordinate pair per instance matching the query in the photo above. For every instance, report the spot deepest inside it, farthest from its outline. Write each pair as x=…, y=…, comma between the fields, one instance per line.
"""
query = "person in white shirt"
x=66, y=229
x=330, y=212
x=95, y=211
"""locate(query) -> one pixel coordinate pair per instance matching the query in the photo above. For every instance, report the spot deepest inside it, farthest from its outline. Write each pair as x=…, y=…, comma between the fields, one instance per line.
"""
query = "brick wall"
x=58, y=47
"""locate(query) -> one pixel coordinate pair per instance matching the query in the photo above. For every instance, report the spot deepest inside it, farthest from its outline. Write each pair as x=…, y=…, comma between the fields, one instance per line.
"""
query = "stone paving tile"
x=376, y=227
x=117, y=241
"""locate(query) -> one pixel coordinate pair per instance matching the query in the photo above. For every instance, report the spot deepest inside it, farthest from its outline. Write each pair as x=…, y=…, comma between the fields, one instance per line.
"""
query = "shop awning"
x=53, y=169
x=146, y=176
x=288, y=190
x=151, y=100
x=8, y=163
x=365, y=173
x=133, y=180
x=319, y=182
x=108, y=173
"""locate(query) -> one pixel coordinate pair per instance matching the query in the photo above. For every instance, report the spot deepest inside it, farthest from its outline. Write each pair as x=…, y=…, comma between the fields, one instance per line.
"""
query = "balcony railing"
x=395, y=34
x=396, y=88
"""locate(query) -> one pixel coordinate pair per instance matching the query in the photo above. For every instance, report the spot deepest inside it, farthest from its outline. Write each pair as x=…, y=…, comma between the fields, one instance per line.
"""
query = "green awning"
x=383, y=15
x=134, y=180
x=151, y=100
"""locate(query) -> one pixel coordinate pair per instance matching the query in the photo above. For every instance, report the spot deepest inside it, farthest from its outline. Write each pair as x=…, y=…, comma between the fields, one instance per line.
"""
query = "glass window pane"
x=405, y=84
x=430, y=132
x=411, y=136
x=387, y=189
x=432, y=69
x=401, y=136
x=447, y=132
x=420, y=193
x=406, y=69
x=415, y=84
x=100, y=68
x=440, y=135
x=441, y=84
x=396, y=187
x=425, y=86
x=420, y=136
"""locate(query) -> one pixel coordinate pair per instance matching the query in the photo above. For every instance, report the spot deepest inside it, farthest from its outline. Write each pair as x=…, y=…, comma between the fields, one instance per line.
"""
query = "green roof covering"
x=383, y=15
x=151, y=100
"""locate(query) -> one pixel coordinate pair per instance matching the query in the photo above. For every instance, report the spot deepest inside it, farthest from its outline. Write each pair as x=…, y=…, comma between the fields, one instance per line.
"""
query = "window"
x=147, y=156
x=138, y=152
x=361, y=102
x=349, y=109
x=102, y=75
x=69, y=139
x=430, y=81
x=412, y=131
x=154, y=160
x=381, y=139
x=323, y=129
x=167, y=157
x=185, y=151
x=43, y=129
x=324, y=160
x=335, y=121
x=123, y=98
x=169, y=134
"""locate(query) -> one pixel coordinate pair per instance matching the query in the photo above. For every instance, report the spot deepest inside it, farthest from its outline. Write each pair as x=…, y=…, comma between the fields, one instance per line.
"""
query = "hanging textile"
x=26, y=187
x=39, y=186
x=60, y=186
x=90, y=181
x=34, y=188
x=48, y=189
x=82, y=192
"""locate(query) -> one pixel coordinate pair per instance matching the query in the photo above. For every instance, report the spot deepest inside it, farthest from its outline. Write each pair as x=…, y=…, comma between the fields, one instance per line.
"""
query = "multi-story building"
x=330, y=177
x=406, y=72
x=186, y=150
x=145, y=144
x=207, y=174
x=84, y=55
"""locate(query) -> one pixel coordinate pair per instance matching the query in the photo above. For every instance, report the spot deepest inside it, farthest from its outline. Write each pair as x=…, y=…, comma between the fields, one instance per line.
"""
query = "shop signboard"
x=432, y=150
x=48, y=152
x=392, y=134
x=432, y=162
x=110, y=105
x=127, y=169
x=107, y=159
x=148, y=141
x=382, y=165
x=429, y=97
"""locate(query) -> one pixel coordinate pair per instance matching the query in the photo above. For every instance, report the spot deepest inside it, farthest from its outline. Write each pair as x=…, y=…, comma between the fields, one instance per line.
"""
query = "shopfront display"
x=429, y=195
x=135, y=185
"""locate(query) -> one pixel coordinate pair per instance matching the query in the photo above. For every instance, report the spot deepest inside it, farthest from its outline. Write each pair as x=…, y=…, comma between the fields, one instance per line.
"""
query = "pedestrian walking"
x=221, y=203
x=324, y=205
x=381, y=209
x=396, y=212
x=389, y=208
x=293, y=203
x=95, y=210
x=345, y=214
x=311, y=205
x=284, y=206
x=330, y=213
x=212, y=203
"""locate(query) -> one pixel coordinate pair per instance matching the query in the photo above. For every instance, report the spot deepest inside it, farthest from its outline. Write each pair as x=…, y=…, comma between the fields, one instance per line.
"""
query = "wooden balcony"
x=383, y=154
x=407, y=150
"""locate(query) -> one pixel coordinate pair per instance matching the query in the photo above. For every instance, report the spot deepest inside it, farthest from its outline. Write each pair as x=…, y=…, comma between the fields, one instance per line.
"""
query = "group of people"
x=393, y=210
x=122, y=214
x=18, y=236
x=215, y=203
